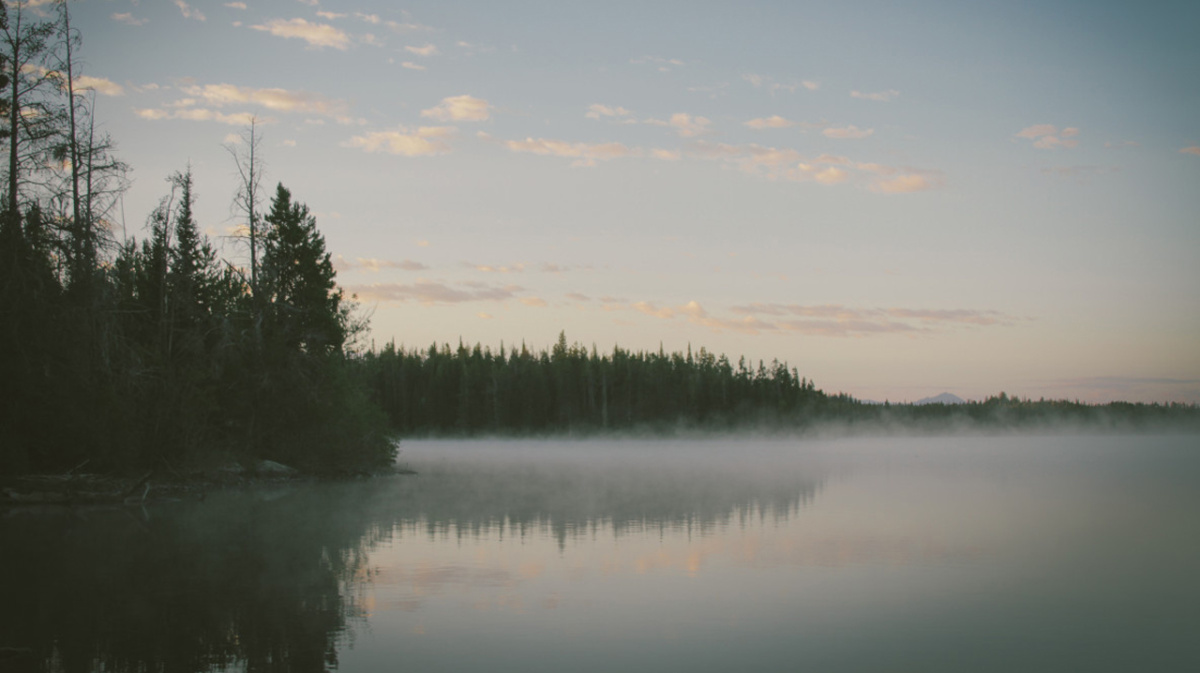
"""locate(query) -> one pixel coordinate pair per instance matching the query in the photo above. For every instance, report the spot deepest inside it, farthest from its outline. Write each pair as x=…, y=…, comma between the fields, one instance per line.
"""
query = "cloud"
x=99, y=85
x=577, y=296
x=772, y=122
x=1048, y=137
x=585, y=152
x=850, y=132
x=831, y=176
x=126, y=17
x=372, y=265
x=407, y=26
x=368, y=18
x=188, y=11
x=656, y=311
x=596, y=111
x=694, y=313
x=487, y=268
x=239, y=5
x=425, y=141
x=769, y=83
x=881, y=96
x=962, y=316
x=332, y=16
x=1194, y=149
x=459, y=108
x=836, y=320
x=315, y=34
x=430, y=292
x=281, y=100
x=1037, y=131
x=663, y=64
x=200, y=115
x=688, y=126
x=666, y=155
x=537, y=302
x=904, y=184
x=412, y=66
x=427, y=50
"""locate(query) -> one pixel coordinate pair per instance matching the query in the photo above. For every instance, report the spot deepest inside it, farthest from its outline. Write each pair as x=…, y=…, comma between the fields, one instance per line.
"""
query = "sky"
x=897, y=198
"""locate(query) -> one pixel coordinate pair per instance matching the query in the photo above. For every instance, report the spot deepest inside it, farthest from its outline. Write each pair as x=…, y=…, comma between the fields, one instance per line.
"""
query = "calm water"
x=943, y=554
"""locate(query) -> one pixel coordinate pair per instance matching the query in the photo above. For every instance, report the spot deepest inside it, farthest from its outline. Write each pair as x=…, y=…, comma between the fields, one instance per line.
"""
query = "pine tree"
x=306, y=306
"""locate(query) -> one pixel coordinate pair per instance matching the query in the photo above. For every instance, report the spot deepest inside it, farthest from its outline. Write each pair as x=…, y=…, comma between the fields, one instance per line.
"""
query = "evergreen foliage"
x=569, y=389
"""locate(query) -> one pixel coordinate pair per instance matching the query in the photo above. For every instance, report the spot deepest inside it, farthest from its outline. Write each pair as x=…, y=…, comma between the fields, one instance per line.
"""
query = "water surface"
x=968, y=553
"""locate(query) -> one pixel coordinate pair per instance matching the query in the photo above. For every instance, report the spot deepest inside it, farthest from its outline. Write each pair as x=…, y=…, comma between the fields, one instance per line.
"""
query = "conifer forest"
x=162, y=348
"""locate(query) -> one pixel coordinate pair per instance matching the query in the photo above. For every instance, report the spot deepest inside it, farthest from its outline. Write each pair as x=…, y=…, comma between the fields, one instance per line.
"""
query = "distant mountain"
x=944, y=398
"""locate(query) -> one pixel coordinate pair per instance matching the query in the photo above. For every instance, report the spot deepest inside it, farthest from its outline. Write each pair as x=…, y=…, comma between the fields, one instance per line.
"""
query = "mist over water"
x=948, y=553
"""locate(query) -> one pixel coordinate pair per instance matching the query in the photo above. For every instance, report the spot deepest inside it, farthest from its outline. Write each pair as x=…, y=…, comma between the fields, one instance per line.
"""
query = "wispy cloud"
x=848, y=132
x=660, y=63
x=280, y=100
x=1048, y=137
x=199, y=115
x=317, y=35
x=772, y=85
x=905, y=184
x=1194, y=149
x=831, y=176
x=431, y=292
x=836, y=320
x=684, y=124
x=598, y=111
x=188, y=11
x=772, y=122
x=585, y=154
x=99, y=85
x=460, y=108
x=372, y=265
x=880, y=96
x=518, y=267
x=239, y=5
x=788, y=164
x=412, y=66
x=128, y=18
x=424, y=50
x=424, y=141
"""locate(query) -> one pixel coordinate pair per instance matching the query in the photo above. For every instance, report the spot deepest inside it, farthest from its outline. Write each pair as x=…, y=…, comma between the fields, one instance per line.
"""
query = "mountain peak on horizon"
x=944, y=398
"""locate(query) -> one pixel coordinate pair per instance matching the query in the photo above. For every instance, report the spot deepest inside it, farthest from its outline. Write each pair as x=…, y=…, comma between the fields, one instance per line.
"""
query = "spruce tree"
x=305, y=302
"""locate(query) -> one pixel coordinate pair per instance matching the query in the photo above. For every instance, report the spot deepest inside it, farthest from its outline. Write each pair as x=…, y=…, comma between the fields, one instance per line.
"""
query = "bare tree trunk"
x=14, y=109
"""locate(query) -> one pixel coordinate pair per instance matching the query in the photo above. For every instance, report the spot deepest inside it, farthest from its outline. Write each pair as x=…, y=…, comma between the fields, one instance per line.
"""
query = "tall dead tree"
x=248, y=160
x=32, y=116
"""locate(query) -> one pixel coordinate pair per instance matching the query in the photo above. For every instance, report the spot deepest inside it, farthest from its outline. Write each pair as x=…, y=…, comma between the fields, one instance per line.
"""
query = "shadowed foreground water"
x=1010, y=553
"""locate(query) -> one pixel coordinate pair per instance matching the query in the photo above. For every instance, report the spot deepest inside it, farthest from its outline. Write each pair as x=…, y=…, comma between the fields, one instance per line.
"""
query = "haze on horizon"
x=897, y=200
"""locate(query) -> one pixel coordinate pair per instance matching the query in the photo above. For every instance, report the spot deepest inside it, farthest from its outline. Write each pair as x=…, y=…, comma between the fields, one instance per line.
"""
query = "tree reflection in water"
x=267, y=580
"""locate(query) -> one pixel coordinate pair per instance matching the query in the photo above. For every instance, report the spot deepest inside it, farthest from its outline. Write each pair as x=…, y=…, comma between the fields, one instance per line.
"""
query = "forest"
x=158, y=353
x=570, y=389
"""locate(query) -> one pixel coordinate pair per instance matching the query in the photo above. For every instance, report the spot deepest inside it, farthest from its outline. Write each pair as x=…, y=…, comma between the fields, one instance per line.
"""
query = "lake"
x=978, y=553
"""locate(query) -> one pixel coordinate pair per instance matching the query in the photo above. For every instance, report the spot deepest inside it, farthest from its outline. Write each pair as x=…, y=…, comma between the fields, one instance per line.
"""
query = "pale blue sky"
x=897, y=198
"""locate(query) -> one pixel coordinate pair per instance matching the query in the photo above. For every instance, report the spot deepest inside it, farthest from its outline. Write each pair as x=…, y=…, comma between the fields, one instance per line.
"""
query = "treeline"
x=570, y=389
x=159, y=353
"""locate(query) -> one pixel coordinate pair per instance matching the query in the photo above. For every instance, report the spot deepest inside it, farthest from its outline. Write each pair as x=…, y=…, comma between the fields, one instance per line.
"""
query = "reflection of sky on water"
x=983, y=554
x=1002, y=553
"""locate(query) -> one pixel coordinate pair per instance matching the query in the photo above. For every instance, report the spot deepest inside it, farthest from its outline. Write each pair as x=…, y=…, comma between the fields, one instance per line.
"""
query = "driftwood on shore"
x=76, y=489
